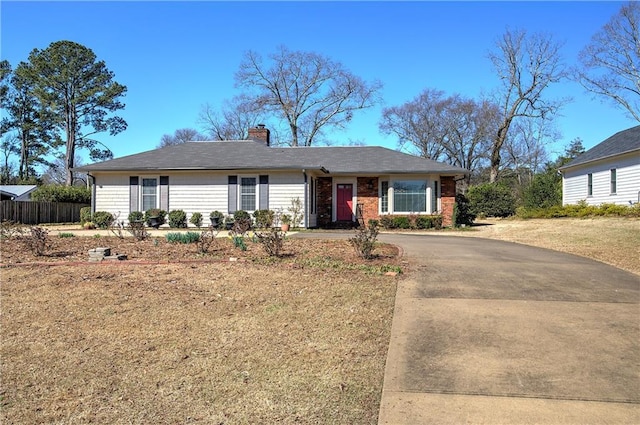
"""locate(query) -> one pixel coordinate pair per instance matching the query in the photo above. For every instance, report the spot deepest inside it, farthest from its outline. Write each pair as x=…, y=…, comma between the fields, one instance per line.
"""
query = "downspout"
x=306, y=200
x=93, y=191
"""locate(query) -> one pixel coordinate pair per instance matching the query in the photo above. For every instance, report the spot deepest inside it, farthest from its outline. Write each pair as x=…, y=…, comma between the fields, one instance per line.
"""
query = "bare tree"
x=9, y=146
x=526, y=66
x=451, y=129
x=469, y=127
x=610, y=64
x=526, y=148
x=182, y=135
x=308, y=91
x=233, y=121
x=56, y=172
x=419, y=124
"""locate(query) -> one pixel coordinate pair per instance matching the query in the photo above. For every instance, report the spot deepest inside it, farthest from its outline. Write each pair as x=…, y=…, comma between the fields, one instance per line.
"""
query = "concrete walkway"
x=491, y=332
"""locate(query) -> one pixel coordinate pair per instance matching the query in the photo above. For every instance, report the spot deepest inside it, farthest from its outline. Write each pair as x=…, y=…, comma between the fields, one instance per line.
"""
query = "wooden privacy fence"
x=27, y=212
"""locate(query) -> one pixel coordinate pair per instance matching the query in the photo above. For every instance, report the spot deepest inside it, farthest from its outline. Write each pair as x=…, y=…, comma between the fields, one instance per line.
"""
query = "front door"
x=344, y=203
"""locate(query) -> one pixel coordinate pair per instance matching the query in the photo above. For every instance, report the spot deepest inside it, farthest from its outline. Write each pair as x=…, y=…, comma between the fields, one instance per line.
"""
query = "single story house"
x=17, y=192
x=607, y=173
x=335, y=185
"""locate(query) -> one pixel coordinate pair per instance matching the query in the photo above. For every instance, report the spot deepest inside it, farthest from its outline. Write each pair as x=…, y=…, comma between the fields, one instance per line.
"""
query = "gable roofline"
x=621, y=143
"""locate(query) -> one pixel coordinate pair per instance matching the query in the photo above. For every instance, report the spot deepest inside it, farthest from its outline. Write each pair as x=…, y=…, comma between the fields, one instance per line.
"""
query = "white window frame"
x=256, y=191
x=427, y=192
x=431, y=207
x=613, y=181
x=141, y=192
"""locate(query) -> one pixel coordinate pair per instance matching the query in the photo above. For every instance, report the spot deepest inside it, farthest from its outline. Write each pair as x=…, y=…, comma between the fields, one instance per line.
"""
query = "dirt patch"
x=302, y=339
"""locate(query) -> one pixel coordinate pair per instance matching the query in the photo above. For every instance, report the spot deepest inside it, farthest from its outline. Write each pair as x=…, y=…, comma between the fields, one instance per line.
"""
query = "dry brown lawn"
x=302, y=339
x=254, y=341
x=611, y=240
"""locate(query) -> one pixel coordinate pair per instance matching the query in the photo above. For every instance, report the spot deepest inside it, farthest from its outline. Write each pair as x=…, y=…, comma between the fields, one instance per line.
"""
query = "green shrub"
x=401, y=222
x=135, y=216
x=85, y=215
x=264, y=218
x=544, y=191
x=428, y=222
x=155, y=212
x=102, y=219
x=386, y=221
x=186, y=238
x=217, y=215
x=64, y=235
x=177, y=219
x=491, y=200
x=462, y=211
x=56, y=193
x=241, y=215
x=196, y=219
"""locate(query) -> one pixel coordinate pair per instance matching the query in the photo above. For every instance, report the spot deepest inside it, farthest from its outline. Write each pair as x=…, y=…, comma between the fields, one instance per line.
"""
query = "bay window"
x=409, y=196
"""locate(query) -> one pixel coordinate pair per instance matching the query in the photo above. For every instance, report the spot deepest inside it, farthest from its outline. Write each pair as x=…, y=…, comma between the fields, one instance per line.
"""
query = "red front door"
x=344, y=203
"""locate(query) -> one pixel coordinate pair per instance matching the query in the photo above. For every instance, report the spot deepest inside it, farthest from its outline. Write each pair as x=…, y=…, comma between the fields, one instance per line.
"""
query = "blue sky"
x=176, y=56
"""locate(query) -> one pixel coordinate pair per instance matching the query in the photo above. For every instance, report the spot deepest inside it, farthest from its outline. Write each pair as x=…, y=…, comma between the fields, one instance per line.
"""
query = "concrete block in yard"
x=117, y=257
x=105, y=252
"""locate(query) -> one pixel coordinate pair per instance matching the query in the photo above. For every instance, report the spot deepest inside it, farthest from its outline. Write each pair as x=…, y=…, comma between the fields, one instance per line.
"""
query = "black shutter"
x=264, y=193
x=164, y=193
x=233, y=194
x=133, y=194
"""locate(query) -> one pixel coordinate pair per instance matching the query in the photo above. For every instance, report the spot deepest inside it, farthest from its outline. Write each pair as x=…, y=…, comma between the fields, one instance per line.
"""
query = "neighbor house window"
x=410, y=196
x=384, y=196
x=248, y=193
x=589, y=184
x=613, y=181
x=149, y=193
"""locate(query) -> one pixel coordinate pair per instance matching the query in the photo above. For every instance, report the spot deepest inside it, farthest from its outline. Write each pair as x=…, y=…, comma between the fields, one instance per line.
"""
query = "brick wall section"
x=368, y=197
x=448, y=199
x=324, y=201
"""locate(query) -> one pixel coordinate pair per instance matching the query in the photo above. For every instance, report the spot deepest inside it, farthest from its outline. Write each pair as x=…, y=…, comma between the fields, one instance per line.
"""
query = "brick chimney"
x=260, y=133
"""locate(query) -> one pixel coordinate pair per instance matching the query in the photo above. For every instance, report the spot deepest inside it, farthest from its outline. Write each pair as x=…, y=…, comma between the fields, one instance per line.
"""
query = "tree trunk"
x=71, y=146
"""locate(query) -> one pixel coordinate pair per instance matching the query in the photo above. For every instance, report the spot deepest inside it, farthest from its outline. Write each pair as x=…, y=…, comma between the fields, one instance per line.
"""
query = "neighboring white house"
x=17, y=192
x=335, y=184
x=607, y=173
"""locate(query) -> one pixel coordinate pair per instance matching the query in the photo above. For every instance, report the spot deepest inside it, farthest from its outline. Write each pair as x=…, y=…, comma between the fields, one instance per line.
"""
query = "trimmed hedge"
x=422, y=222
x=55, y=193
x=581, y=210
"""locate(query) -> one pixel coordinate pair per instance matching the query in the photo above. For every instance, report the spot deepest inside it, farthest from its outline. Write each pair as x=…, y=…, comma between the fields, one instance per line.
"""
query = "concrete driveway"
x=491, y=332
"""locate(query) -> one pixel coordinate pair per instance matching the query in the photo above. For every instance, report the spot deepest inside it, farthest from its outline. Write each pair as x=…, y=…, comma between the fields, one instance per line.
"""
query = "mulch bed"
x=73, y=250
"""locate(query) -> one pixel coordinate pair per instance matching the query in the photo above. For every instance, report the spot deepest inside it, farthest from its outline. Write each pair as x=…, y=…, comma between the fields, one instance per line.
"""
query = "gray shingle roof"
x=251, y=155
x=622, y=142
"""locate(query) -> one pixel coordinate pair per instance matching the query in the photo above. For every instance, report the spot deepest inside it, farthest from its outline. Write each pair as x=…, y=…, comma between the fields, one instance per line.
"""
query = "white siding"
x=198, y=192
x=112, y=194
x=283, y=188
x=201, y=192
x=574, y=181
